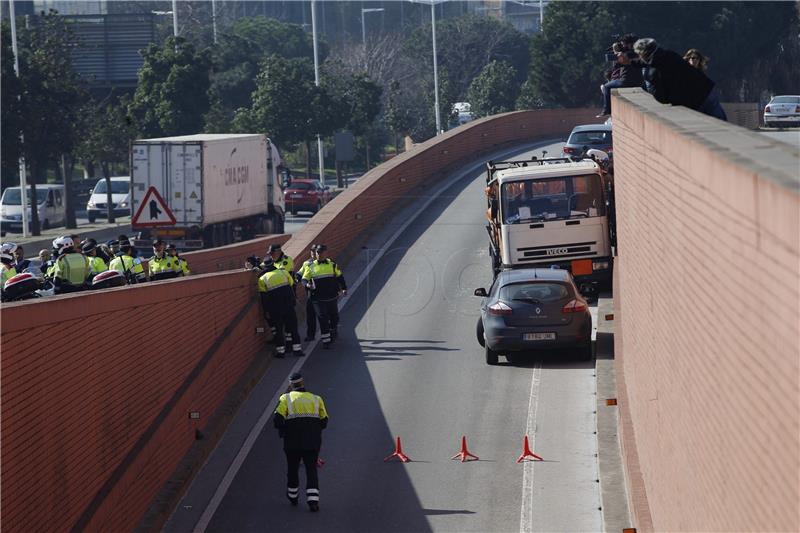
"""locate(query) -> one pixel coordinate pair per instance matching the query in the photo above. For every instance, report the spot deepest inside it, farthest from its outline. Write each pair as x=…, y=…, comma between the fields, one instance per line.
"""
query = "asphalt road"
x=407, y=364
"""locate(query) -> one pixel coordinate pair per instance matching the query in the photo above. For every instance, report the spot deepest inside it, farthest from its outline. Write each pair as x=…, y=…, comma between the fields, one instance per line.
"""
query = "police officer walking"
x=277, y=301
x=325, y=279
x=300, y=418
x=311, y=314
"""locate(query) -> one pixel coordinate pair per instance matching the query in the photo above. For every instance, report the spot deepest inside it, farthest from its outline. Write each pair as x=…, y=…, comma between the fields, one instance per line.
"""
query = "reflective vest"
x=274, y=279
x=97, y=265
x=126, y=263
x=326, y=279
x=8, y=273
x=73, y=268
x=180, y=265
x=163, y=264
x=301, y=416
x=301, y=404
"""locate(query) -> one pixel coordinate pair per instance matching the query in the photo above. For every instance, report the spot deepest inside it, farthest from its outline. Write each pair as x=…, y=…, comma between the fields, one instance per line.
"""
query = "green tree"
x=11, y=122
x=51, y=96
x=172, y=94
x=237, y=60
x=467, y=44
x=396, y=116
x=494, y=90
x=107, y=139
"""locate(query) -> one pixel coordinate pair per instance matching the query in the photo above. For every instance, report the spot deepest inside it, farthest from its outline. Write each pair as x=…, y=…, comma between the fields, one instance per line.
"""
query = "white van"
x=52, y=211
x=120, y=198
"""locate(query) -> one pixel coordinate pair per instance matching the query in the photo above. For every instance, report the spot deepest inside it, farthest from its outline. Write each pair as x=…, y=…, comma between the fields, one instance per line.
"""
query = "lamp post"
x=364, y=29
x=23, y=182
x=435, y=71
x=214, y=18
x=320, y=154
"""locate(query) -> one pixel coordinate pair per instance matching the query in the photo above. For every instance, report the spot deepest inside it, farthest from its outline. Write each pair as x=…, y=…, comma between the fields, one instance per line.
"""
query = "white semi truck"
x=219, y=189
x=545, y=212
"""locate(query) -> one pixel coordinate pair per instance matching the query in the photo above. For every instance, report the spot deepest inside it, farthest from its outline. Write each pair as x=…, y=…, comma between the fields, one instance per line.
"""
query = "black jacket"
x=674, y=81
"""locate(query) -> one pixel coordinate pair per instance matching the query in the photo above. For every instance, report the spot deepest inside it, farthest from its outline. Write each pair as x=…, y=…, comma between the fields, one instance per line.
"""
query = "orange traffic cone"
x=526, y=452
x=398, y=452
x=464, y=454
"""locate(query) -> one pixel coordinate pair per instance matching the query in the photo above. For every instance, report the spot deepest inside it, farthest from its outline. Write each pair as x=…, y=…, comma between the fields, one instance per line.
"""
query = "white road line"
x=244, y=451
x=526, y=512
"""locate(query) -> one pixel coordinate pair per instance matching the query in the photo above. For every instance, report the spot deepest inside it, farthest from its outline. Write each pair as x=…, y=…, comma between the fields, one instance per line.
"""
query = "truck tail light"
x=574, y=306
x=500, y=309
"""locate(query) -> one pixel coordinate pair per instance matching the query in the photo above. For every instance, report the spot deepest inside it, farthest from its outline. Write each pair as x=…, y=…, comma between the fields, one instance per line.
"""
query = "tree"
x=237, y=60
x=467, y=44
x=396, y=116
x=107, y=139
x=11, y=123
x=51, y=96
x=172, y=94
x=494, y=90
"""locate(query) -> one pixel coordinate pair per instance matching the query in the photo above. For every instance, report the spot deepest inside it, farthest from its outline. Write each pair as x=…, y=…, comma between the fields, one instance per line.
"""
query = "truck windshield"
x=13, y=196
x=552, y=199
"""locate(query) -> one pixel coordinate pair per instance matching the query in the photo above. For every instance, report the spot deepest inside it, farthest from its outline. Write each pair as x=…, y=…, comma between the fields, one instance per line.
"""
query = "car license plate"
x=296, y=195
x=539, y=336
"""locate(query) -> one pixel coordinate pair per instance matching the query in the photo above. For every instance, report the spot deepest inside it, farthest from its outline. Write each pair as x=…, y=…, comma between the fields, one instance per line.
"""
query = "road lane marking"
x=247, y=446
x=526, y=512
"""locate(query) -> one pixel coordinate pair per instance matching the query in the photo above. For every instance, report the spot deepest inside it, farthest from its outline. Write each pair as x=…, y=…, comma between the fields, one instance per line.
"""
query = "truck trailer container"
x=220, y=188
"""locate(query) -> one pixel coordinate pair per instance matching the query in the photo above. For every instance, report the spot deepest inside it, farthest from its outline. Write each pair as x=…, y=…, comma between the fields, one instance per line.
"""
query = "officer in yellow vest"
x=7, y=270
x=178, y=263
x=324, y=278
x=129, y=267
x=280, y=259
x=277, y=302
x=71, y=269
x=300, y=418
x=311, y=314
x=96, y=263
x=161, y=265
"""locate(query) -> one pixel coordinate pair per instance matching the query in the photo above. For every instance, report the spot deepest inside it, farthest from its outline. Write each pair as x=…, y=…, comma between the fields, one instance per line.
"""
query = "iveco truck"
x=218, y=189
x=546, y=212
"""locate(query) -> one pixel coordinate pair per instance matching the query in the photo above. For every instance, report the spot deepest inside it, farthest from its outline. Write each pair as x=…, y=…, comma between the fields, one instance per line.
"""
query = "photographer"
x=626, y=73
x=674, y=81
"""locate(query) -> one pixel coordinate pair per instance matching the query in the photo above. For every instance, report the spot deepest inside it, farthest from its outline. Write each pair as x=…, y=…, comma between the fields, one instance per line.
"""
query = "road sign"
x=153, y=211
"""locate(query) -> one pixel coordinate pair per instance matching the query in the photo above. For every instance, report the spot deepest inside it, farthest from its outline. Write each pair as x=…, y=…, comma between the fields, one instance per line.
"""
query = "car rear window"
x=301, y=186
x=540, y=291
x=786, y=100
x=590, y=137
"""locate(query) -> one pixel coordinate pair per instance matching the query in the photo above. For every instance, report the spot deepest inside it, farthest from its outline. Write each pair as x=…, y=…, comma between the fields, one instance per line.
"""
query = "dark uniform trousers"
x=328, y=313
x=283, y=318
x=309, y=458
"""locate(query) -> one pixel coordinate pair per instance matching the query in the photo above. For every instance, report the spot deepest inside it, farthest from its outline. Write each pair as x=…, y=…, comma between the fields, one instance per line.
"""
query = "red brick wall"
x=91, y=430
x=708, y=320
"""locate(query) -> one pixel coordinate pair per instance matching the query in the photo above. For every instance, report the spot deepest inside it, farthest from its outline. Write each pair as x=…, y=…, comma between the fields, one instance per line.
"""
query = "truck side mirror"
x=480, y=292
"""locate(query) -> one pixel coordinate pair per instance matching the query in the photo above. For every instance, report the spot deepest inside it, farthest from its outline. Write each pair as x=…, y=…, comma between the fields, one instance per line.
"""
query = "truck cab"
x=551, y=212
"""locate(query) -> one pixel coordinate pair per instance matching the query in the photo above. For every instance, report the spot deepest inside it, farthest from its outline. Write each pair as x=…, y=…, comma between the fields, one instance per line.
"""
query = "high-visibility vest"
x=8, y=273
x=97, y=265
x=73, y=268
x=274, y=279
x=301, y=404
x=123, y=263
x=164, y=264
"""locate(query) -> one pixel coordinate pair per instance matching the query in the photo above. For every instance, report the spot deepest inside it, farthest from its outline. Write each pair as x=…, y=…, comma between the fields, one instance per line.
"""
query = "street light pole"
x=214, y=18
x=23, y=182
x=320, y=154
x=175, y=22
x=435, y=70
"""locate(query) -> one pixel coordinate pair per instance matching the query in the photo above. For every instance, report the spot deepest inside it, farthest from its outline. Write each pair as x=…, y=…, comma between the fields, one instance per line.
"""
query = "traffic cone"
x=464, y=454
x=398, y=452
x=526, y=452
x=320, y=462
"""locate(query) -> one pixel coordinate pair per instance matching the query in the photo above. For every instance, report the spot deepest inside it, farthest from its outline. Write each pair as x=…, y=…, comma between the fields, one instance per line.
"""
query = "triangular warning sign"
x=153, y=211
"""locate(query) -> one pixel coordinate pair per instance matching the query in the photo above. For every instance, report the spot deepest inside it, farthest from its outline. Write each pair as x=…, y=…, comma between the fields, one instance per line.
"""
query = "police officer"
x=300, y=418
x=325, y=279
x=129, y=267
x=180, y=264
x=277, y=301
x=71, y=269
x=280, y=259
x=96, y=263
x=311, y=314
x=161, y=265
x=7, y=270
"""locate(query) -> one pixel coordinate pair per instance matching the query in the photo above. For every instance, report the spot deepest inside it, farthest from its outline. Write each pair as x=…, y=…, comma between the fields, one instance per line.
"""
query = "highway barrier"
x=707, y=320
x=103, y=393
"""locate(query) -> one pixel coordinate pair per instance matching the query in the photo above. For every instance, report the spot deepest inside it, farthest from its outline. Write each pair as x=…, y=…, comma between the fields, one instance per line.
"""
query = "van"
x=52, y=209
x=120, y=198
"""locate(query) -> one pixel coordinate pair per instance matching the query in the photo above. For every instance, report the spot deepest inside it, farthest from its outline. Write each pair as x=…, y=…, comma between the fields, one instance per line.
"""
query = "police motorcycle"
x=27, y=285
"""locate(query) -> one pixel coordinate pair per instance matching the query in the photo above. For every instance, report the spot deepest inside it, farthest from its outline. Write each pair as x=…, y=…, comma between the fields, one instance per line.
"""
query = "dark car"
x=533, y=308
x=306, y=195
x=588, y=137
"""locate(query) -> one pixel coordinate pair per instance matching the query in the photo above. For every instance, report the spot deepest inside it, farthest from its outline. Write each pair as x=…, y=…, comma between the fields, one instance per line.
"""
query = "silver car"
x=533, y=308
x=782, y=111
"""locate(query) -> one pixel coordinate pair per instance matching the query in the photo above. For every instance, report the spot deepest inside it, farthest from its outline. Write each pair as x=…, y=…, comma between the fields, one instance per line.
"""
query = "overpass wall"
x=97, y=387
x=707, y=297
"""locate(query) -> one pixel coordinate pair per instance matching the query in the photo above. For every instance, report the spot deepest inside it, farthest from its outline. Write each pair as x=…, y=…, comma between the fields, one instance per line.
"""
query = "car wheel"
x=319, y=206
x=479, y=332
x=586, y=352
x=491, y=356
x=91, y=218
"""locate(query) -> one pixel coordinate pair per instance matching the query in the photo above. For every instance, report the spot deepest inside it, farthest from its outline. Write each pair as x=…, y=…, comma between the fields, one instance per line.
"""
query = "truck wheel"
x=491, y=356
x=479, y=332
x=279, y=224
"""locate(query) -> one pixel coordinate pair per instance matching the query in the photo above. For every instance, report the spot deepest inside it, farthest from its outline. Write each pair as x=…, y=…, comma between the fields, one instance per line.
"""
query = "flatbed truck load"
x=218, y=189
x=552, y=212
